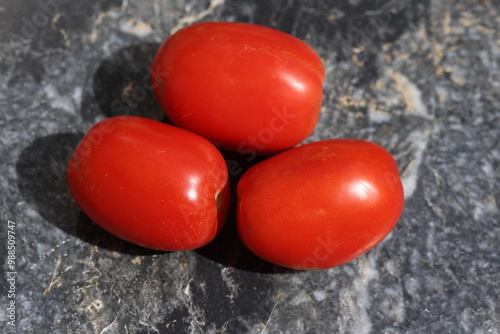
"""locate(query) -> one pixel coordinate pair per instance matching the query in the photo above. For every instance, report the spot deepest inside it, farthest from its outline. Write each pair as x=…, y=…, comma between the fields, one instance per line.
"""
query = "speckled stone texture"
x=421, y=78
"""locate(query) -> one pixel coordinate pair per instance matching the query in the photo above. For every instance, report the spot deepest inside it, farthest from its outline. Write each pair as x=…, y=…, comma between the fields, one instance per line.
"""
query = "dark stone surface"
x=420, y=78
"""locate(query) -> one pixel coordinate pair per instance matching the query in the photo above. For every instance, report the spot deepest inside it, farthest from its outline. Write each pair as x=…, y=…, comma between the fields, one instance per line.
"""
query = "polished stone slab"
x=421, y=78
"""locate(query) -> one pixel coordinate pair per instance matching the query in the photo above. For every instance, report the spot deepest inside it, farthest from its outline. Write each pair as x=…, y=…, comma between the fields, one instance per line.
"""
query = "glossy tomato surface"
x=321, y=204
x=150, y=183
x=245, y=87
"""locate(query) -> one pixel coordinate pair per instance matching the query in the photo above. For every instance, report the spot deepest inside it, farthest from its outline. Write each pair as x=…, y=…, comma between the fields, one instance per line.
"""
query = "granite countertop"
x=421, y=78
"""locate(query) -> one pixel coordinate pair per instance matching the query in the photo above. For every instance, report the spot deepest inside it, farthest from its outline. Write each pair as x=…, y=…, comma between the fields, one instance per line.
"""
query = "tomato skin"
x=321, y=204
x=244, y=87
x=150, y=183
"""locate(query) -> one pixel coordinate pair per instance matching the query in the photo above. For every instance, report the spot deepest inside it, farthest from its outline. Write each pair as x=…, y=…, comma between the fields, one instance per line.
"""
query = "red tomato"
x=150, y=183
x=319, y=205
x=245, y=87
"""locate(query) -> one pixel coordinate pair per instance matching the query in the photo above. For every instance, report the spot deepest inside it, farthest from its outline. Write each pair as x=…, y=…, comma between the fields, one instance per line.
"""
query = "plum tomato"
x=321, y=204
x=149, y=183
x=245, y=87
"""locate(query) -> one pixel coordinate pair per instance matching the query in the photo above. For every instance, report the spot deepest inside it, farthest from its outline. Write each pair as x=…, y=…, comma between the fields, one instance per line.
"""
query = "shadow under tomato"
x=41, y=170
x=227, y=248
x=121, y=86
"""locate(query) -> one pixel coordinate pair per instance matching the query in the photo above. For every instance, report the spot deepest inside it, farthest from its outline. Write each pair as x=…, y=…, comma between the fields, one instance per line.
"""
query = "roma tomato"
x=245, y=87
x=150, y=183
x=319, y=205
